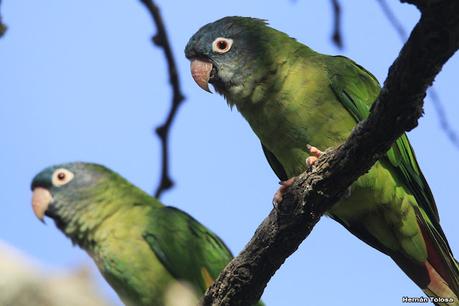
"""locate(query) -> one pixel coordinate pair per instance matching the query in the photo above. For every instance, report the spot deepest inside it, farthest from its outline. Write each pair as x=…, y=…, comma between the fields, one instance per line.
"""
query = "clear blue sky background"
x=80, y=80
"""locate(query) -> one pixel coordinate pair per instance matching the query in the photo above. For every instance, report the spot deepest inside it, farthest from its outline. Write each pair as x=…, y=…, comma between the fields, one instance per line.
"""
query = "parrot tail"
x=438, y=276
x=438, y=287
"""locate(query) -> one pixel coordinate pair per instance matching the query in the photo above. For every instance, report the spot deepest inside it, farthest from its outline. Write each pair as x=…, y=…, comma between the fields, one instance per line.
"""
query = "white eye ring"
x=61, y=177
x=222, y=45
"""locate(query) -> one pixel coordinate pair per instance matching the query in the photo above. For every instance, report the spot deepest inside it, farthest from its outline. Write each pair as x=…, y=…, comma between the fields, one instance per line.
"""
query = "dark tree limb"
x=436, y=101
x=337, y=37
x=397, y=109
x=2, y=25
x=161, y=40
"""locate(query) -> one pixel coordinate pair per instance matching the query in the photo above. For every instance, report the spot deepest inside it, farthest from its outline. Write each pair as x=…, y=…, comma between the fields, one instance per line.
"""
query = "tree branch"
x=161, y=40
x=441, y=113
x=337, y=37
x=432, y=42
x=436, y=101
x=392, y=19
x=2, y=25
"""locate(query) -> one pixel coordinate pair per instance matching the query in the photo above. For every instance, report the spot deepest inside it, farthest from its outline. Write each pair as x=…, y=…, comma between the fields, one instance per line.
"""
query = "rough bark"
x=434, y=96
x=397, y=109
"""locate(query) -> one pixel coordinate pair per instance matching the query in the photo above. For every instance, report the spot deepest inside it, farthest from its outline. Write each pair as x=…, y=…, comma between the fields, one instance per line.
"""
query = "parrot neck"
x=264, y=78
x=252, y=91
x=81, y=222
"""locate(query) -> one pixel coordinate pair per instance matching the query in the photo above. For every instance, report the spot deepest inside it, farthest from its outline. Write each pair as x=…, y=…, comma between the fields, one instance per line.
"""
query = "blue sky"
x=81, y=81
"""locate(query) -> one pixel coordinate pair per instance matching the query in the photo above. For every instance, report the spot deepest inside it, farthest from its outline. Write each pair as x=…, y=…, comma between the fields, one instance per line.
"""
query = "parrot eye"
x=61, y=177
x=222, y=45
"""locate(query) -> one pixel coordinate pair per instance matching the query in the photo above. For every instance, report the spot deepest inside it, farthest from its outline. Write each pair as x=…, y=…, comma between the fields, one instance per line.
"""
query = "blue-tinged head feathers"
x=242, y=51
x=77, y=195
x=82, y=175
x=230, y=69
x=200, y=44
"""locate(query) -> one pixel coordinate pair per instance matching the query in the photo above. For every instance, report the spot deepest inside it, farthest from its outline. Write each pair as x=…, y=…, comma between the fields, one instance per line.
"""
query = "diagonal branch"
x=393, y=19
x=2, y=25
x=432, y=42
x=438, y=106
x=161, y=40
x=441, y=113
x=337, y=37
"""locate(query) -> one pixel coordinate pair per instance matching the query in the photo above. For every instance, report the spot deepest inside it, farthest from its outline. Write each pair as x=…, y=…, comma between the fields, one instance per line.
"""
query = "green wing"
x=275, y=164
x=356, y=89
x=187, y=249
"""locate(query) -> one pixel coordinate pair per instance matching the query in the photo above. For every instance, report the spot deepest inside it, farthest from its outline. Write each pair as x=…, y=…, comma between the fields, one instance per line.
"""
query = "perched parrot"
x=140, y=246
x=293, y=96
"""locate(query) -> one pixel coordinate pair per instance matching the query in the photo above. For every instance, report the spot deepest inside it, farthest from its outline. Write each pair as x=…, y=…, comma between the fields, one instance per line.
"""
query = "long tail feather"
x=439, y=288
x=438, y=277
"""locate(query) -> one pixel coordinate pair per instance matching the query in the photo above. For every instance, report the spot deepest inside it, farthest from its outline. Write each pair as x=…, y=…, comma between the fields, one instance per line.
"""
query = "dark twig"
x=446, y=127
x=393, y=19
x=337, y=37
x=2, y=25
x=436, y=101
x=161, y=40
x=432, y=42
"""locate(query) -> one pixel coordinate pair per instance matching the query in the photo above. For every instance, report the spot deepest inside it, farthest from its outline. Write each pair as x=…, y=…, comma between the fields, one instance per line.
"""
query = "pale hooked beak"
x=200, y=70
x=41, y=199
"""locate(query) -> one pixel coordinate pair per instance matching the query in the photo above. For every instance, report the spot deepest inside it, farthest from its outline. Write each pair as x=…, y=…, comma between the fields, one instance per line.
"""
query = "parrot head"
x=63, y=192
x=226, y=53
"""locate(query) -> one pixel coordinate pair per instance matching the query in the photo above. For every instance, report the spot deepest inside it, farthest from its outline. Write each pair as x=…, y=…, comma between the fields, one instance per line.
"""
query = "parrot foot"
x=316, y=153
x=278, y=196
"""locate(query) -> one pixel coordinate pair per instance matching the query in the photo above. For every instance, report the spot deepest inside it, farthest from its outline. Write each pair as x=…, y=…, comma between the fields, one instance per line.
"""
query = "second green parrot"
x=140, y=246
x=293, y=96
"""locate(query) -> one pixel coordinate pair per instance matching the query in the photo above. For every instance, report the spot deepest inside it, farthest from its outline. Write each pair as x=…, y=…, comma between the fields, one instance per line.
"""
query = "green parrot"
x=293, y=96
x=140, y=246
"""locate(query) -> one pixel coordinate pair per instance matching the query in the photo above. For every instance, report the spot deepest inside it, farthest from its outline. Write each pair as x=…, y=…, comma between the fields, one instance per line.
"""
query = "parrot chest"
x=292, y=118
x=138, y=282
x=285, y=125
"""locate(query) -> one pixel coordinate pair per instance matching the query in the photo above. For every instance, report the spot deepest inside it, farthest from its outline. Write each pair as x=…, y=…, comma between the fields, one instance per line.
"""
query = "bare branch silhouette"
x=161, y=40
x=436, y=101
x=393, y=19
x=446, y=127
x=2, y=25
x=396, y=110
x=337, y=37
